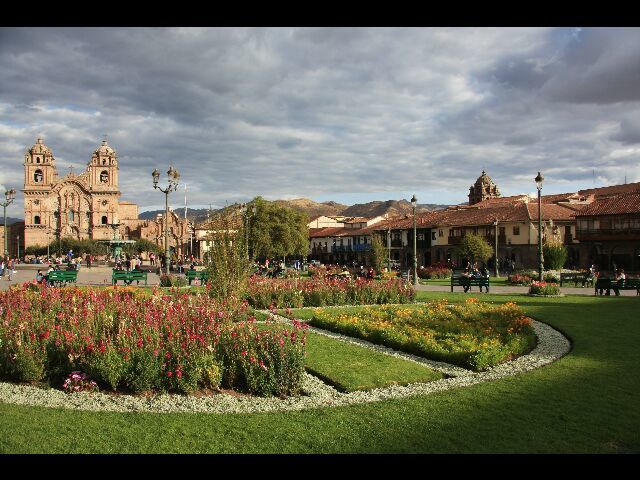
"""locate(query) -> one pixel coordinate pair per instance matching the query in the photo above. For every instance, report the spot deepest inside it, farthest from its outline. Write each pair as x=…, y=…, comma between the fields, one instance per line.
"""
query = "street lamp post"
x=389, y=249
x=18, y=247
x=538, y=181
x=10, y=195
x=414, y=202
x=495, y=224
x=174, y=177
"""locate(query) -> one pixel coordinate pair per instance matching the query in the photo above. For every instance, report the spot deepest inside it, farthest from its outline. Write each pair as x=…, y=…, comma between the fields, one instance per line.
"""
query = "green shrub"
x=555, y=256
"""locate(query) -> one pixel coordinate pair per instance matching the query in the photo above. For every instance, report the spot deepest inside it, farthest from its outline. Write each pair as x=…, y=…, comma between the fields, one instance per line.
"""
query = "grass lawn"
x=586, y=402
x=351, y=367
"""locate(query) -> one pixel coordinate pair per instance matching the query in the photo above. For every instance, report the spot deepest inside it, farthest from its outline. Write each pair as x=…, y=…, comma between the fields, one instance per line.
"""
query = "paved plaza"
x=101, y=276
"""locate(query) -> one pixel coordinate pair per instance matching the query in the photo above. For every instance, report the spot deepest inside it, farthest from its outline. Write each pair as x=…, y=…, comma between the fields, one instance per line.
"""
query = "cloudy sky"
x=345, y=114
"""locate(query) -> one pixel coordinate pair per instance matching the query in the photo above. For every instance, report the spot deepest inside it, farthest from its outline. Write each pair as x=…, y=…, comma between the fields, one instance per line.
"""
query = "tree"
x=142, y=245
x=379, y=255
x=276, y=231
x=554, y=252
x=228, y=266
x=475, y=248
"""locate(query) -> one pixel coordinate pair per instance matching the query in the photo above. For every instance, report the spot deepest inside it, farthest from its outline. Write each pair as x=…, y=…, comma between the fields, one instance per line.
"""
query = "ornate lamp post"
x=495, y=224
x=10, y=196
x=389, y=249
x=174, y=177
x=414, y=202
x=18, y=247
x=248, y=210
x=538, y=181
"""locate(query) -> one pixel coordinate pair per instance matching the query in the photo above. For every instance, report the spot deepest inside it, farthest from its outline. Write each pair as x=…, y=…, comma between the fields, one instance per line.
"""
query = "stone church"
x=86, y=206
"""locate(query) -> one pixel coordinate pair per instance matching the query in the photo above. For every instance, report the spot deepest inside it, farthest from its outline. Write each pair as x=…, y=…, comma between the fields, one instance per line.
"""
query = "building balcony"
x=608, y=234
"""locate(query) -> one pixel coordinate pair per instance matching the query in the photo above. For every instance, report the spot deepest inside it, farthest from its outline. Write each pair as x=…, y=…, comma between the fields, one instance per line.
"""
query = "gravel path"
x=552, y=345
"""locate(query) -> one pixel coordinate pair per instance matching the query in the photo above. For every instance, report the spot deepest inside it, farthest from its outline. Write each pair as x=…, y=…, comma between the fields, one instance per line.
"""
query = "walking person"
x=10, y=267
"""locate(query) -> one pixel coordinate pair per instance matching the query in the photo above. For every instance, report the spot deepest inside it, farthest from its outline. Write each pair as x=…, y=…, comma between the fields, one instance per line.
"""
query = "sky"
x=351, y=115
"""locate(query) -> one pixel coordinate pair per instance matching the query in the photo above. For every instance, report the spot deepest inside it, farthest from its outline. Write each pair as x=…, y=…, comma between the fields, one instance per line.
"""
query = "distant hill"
x=11, y=220
x=312, y=208
x=195, y=214
x=371, y=209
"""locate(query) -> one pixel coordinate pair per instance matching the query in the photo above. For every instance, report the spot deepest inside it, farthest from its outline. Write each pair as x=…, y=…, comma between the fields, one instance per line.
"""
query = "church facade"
x=88, y=205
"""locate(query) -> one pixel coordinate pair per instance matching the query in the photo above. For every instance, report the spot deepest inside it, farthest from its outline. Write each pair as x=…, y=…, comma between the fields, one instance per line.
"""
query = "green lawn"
x=351, y=367
x=586, y=402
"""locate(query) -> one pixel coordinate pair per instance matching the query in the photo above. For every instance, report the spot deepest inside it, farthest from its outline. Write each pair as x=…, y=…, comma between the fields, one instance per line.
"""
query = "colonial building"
x=87, y=205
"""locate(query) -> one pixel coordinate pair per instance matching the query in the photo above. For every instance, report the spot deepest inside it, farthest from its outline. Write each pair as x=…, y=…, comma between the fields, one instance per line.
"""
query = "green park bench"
x=576, y=278
x=609, y=283
x=128, y=277
x=201, y=275
x=460, y=280
x=62, y=277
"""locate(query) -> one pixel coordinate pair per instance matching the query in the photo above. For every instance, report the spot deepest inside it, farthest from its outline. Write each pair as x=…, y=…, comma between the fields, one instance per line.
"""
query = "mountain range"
x=311, y=208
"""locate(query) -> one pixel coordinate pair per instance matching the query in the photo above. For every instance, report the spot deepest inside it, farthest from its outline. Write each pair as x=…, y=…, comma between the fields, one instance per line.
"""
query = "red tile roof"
x=601, y=192
x=617, y=205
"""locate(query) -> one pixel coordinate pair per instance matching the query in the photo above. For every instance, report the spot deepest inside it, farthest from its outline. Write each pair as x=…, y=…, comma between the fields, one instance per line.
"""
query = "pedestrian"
x=88, y=259
x=10, y=267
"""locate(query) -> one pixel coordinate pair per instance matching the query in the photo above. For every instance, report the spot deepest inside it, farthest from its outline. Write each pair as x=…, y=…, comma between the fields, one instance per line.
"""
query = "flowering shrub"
x=318, y=292
x=544, y=288
x=434, y=271
x=167, y=341
x=472, y=335
x=79, y=382
x=551, y=277
x=519, y=279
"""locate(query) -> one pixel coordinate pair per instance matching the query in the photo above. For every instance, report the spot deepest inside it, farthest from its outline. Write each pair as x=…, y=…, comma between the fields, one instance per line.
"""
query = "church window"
x=37, y=159
x=104, y=161
x=36, y=220
x=37, y=176
x=104, y=220
x=104, y=176
x=70, y=216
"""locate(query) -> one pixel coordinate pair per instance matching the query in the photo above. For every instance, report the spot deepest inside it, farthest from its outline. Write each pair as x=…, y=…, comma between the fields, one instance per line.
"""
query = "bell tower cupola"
x=103, y=168
x=39, y=167
x=483, y=189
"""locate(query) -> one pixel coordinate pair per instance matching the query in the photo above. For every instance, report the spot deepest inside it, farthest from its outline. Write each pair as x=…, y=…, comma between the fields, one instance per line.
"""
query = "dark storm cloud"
x=320, y=111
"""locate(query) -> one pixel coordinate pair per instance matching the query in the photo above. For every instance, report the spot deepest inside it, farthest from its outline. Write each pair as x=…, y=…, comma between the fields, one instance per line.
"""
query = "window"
x=433, y=235
x=440, y=233
x=37, y=159
x=37, y=176
x=516, y=230
x=70, y=216
x=421, y=236
x=502, y=231
x=36, y=220
x=104, y=220
x=104, y=176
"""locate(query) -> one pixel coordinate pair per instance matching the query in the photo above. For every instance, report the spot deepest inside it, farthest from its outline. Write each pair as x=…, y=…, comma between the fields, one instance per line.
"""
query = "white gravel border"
x=552, y=345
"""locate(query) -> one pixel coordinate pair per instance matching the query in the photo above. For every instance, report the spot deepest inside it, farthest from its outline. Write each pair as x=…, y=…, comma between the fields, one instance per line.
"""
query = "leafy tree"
x=228, y=266
x=379, y=254
x=276, y=231
x=142, y=245
x=475, y=248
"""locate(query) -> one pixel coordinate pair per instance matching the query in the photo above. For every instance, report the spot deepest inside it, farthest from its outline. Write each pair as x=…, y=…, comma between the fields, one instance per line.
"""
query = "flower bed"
x=544, y=288
x=434, y=271
x=519, y=279
x=170, y=341
x=317, y=292
x=471, y=335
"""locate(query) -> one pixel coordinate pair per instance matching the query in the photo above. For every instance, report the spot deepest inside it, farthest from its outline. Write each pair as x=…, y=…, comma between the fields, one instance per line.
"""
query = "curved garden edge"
x=552, y=345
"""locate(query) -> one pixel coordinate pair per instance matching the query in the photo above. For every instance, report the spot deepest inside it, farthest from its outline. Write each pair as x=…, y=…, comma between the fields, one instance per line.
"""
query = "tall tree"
x=475, y=248
x=276, y=231
x=379, y=254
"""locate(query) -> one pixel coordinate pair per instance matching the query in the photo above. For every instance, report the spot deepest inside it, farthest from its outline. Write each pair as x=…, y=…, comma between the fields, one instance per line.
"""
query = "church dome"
x=39, y=147
x=483, y=180
x=105, y=150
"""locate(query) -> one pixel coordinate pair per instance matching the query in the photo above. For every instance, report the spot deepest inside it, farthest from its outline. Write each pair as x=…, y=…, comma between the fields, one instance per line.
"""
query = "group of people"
x=472, y=271
x=620, y=276
x=7, y=267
